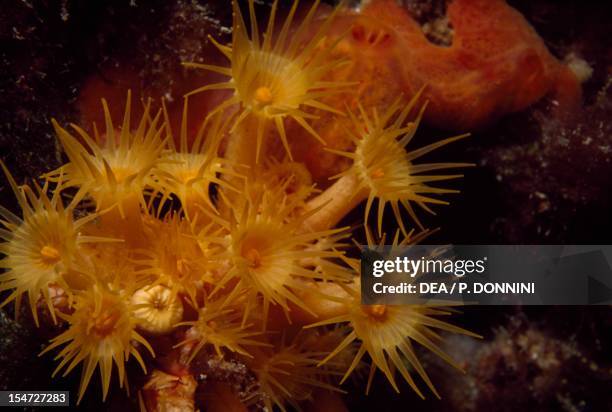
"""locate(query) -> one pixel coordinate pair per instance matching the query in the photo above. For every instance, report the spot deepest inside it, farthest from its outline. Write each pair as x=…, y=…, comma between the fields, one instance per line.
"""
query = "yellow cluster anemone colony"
x=219, y=245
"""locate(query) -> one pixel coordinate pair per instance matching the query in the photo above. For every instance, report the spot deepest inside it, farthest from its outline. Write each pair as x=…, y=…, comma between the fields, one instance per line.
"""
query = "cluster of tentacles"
x=221, y=242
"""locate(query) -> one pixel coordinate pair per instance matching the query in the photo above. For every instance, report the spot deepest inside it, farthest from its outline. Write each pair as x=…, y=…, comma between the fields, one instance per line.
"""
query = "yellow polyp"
x=157, y=309
x=387, y=332
x=278, y=74
x=100, y=335
x=265, y=249
x=383, y=167
x=50, y=255
x=38, y=249
x=263, y=95
x=108, y=167
x=218, y=328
